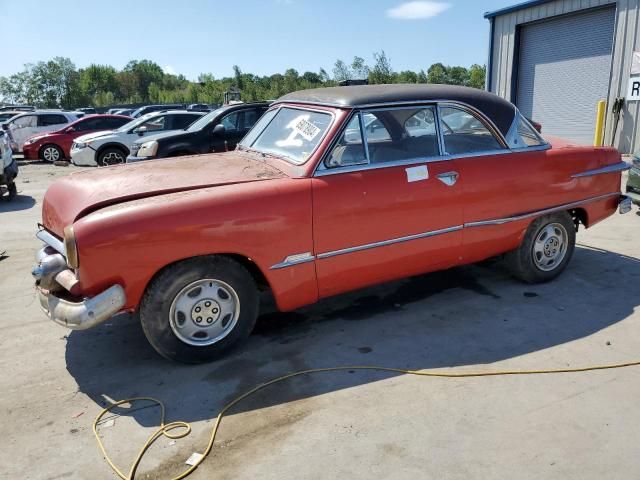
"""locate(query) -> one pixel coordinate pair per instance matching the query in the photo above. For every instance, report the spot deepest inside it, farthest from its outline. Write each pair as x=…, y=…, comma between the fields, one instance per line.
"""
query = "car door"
x=385, y=207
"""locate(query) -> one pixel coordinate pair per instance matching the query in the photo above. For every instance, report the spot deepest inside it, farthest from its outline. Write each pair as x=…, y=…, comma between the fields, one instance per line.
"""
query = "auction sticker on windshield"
x=307, y=129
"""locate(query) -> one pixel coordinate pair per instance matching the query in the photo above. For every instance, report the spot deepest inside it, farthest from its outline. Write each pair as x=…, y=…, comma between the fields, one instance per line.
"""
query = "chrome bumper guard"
x=52, y=276
x=625, y=205
x=85, y=314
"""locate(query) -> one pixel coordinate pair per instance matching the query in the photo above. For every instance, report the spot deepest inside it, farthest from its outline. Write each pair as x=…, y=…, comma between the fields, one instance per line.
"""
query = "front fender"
x=264, y=221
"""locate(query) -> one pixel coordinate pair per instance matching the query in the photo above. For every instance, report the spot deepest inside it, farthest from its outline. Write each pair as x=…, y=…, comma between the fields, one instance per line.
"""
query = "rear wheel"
x=198, y=309
x=545, y=250
x=51, y=153
x=111, y=156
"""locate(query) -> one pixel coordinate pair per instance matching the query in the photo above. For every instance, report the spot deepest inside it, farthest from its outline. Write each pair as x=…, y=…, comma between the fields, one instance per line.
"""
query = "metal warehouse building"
x=555, y=59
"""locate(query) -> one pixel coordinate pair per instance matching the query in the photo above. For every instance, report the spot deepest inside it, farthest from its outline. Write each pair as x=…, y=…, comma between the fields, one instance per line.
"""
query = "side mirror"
x=142, y=130
x=218, y=130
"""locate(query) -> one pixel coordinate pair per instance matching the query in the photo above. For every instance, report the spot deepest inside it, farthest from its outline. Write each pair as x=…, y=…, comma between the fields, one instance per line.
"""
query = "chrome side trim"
x=52, y=241
x=384, y=243
x=295, y=259
x=500, y=221
x=377, y=166
x=616, y=167
x=308, y=257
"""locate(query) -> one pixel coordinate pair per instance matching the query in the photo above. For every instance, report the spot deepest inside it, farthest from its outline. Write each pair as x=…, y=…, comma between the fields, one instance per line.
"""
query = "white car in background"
x=113, y=147
x=28, y=124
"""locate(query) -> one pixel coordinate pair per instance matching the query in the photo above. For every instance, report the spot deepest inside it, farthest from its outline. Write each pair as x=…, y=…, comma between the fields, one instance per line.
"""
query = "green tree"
x=341, y=71
x=437, y=73
x=381, y=71
x=477, y=76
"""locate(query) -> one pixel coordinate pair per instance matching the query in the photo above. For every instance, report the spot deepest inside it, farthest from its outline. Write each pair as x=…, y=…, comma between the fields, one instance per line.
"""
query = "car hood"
x=94, y=135
x=79, y=194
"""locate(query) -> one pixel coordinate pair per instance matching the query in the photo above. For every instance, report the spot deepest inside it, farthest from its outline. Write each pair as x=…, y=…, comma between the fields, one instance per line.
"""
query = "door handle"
x=448, y=178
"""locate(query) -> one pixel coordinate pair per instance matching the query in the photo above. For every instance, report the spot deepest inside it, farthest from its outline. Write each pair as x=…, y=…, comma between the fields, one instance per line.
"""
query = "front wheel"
x=196, y=310
x=545, y=250
x=111, y=156
x=51, y=153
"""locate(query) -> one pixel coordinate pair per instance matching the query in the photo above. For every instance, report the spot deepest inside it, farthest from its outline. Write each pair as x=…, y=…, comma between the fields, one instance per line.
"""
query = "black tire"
x=172, y=284
x=51, y=153
x=522, y=261
x=111, y=156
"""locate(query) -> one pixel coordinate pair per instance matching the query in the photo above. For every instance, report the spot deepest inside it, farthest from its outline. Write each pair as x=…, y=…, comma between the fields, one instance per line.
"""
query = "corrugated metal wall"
x=627, y=39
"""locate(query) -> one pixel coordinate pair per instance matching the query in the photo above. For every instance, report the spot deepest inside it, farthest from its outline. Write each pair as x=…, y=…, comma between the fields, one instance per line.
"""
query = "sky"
x=261, y=36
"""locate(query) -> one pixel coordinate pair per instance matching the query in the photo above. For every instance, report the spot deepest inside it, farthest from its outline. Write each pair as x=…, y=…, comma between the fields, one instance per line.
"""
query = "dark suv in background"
x=217, y=131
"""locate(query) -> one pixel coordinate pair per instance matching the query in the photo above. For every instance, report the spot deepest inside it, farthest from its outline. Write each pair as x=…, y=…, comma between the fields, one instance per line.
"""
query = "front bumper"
x=85, y=157
x=57, y=290
x=30, y=152
x=84, y=314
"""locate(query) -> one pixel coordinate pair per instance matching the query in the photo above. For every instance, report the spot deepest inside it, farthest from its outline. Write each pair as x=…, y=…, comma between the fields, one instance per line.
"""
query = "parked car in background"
x=18, y=108
x=125, y=111
x=217, y=131
x=8, y=168
x=112, y=147
x=199, y=107
x=29, y=124
x=56, y=145
x=156, y=108
x=633, y=182
x=300, y=209
x=88, y=110
x=7, y=115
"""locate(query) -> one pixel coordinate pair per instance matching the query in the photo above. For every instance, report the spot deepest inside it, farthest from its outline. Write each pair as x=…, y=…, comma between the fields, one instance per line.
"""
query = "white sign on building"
x=633, y=93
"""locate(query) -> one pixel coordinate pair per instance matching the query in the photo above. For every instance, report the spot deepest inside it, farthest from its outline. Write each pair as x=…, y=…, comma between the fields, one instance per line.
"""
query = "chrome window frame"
x=513, y=132
x=322, y=170
x=297, y=107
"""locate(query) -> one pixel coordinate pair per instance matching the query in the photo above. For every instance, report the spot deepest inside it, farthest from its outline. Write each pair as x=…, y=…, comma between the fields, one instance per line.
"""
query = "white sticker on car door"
x=415, y=174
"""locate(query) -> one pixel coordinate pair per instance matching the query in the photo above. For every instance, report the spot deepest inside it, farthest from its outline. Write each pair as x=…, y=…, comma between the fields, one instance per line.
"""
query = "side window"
x=48, y=120
x=28, y=121
x=180, y=122
x=464, y=133
x=87, y=125
x=249, y=118
x=349, y=150
x=230, y=122
x=109, y=123
x=156, y=123
x=526, y=136
x=411, y=135
x=376, y=131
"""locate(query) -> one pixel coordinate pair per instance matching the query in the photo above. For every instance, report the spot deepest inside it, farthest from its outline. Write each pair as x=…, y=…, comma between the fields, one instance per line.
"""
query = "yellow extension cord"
x=165, y=429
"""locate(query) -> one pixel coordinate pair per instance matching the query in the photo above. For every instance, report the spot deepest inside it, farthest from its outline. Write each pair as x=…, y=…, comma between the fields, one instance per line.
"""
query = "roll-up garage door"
x=564, y=66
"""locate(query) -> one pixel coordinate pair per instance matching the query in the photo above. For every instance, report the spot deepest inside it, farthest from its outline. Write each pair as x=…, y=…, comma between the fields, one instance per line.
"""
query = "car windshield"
x=135, y=123
x=204, y=121
x=291, y=133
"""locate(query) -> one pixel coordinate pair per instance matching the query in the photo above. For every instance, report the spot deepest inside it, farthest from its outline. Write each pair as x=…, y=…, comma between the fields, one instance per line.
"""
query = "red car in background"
x=53, y=146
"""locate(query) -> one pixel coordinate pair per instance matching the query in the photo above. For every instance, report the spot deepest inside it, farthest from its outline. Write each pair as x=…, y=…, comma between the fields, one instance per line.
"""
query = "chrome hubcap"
x=51, y=154
x=113, y=158
x=550, y=246
x=204, y=312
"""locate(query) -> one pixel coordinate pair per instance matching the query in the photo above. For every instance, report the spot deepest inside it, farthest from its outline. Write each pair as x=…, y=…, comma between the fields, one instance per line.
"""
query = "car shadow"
x=465, y=316
x=20, y=202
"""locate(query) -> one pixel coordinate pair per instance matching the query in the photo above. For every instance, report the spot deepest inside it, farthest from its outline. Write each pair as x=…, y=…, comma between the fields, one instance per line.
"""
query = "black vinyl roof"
x=498, y=110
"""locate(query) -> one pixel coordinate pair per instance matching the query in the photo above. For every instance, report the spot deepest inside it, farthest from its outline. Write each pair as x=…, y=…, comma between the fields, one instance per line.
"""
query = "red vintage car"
x=332, y=190
x=56, y=145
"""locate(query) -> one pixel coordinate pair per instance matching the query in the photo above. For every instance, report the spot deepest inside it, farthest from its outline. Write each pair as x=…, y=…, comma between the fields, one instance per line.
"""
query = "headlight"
x=148, y=149
x=70, y=247
x=31, y=140
x=80, y=145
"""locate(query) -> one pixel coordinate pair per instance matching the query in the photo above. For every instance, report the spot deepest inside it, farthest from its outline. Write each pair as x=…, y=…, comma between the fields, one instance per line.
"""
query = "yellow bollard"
x=598, y=136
